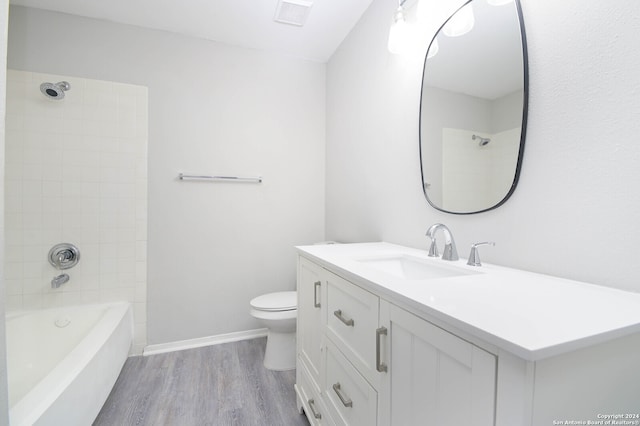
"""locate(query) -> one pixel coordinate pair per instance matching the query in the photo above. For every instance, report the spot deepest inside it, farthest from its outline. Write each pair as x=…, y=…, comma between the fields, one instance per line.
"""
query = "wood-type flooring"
x=216, y=385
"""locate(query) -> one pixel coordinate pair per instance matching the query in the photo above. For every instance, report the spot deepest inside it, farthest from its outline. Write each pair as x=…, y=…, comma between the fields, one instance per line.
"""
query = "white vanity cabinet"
x=490, y=346
x=374, y=363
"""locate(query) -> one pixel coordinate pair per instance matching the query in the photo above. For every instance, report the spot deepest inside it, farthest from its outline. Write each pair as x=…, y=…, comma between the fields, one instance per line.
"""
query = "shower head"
x=482, y=141
x=55, y=91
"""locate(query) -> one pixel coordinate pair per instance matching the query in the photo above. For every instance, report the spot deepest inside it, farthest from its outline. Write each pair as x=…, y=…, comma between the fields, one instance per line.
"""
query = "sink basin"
x=413, y=268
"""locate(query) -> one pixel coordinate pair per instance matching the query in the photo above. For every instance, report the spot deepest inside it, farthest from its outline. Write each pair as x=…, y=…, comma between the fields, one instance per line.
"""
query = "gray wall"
x=575, y=211
x=212, y=109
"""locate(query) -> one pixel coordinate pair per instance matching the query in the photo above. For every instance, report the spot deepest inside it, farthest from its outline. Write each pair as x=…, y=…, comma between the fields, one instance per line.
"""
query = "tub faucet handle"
x=64, y=256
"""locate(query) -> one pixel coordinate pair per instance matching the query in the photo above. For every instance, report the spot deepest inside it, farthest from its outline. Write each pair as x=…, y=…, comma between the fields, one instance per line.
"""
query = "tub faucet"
x=56, y=282
x=450, y=252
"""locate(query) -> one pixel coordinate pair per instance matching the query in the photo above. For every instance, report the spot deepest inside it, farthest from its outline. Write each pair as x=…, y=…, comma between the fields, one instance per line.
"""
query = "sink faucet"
x=450, y=252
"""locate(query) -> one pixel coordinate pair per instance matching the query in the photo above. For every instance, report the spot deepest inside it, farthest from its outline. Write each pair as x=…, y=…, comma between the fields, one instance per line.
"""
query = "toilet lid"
x=280, y=301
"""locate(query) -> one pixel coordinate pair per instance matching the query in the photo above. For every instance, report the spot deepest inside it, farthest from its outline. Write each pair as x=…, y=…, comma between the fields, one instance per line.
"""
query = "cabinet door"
x=434, y=378
x=311, y=297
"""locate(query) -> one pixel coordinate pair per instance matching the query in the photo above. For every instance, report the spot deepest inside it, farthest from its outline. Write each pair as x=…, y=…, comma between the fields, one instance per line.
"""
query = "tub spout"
x=56, y=282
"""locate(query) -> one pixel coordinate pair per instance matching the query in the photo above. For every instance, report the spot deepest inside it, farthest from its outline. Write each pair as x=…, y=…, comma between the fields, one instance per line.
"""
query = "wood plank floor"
x=216, y=385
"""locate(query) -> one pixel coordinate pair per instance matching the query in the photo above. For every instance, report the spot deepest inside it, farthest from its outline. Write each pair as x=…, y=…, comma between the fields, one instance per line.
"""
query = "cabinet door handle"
x=346, y=401
x=347, y=322
x=312, y=407
x=380, y=366
x=316, y=286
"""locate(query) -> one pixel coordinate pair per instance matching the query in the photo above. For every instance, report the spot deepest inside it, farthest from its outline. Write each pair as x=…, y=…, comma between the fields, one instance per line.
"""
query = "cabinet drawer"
x=309, y=395
x=350, y=398
x=352, y=319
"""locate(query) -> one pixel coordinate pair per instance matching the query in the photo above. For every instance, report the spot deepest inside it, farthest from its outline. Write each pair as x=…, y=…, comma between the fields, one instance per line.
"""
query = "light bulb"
x=399, y=34
x=460, y=23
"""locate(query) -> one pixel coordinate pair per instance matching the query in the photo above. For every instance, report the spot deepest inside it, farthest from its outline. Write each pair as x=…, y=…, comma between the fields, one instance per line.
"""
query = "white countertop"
x=531, y=315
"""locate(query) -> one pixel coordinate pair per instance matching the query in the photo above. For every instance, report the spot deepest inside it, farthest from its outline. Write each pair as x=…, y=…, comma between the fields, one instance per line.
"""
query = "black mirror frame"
x=525, y=102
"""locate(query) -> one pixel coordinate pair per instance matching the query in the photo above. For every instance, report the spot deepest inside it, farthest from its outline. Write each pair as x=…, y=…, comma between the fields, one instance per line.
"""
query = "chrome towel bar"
x=247, y=179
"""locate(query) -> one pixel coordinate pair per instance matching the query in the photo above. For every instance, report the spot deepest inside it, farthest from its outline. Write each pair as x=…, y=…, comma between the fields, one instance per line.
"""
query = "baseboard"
x=203, y=341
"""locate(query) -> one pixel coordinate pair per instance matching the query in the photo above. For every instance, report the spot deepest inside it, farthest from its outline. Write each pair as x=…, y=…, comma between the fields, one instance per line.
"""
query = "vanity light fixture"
x=461, y=23
x=399, y=33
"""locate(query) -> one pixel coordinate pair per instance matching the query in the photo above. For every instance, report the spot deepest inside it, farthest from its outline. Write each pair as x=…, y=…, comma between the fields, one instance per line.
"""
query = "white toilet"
x=278, y=312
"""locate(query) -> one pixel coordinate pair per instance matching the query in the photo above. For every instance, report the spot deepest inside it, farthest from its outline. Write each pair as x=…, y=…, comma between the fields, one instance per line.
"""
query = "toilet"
x=278, y=312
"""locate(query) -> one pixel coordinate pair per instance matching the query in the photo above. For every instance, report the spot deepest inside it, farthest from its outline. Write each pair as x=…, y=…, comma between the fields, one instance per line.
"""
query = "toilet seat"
x=278, y=312
x=276, y=302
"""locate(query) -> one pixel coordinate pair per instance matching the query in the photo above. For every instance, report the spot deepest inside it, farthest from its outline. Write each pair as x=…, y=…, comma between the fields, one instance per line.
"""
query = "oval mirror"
x=473, y=108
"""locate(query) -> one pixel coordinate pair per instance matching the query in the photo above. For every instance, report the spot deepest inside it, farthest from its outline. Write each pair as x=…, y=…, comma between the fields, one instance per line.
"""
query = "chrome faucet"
x=56, y=282
x=450, y=252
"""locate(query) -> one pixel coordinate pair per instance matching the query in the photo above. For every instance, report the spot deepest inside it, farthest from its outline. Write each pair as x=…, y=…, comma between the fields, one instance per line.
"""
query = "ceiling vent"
x=293, y=12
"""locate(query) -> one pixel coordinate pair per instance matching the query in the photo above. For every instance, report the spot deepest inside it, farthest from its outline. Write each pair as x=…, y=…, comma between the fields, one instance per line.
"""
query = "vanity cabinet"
x=481, y=346
x=371, y=362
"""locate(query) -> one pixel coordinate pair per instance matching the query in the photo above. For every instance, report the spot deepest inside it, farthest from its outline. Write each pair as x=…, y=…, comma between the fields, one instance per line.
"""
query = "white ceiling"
x=246, y=23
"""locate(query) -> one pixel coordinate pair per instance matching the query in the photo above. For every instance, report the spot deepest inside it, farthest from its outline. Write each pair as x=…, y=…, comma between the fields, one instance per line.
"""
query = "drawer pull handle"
x=343, y=398
x=312, y=407
x=316, y=286
x=380, y=366
x=347, y=322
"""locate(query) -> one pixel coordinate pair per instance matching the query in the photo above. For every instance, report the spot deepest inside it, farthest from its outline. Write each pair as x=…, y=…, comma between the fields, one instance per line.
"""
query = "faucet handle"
x=474, y=256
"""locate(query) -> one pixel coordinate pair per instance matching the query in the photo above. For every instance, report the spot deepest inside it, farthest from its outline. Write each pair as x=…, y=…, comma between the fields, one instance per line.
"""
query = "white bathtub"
x=62, y=363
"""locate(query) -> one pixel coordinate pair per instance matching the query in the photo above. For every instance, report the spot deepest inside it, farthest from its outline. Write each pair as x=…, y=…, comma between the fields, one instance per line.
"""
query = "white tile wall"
x=76, y=171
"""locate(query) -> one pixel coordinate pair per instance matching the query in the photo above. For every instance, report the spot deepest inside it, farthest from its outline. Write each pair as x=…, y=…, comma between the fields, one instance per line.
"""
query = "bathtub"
x=63, y=362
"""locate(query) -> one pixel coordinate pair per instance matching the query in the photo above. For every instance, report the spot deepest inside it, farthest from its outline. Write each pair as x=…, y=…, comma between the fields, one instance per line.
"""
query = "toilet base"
x=280, y=353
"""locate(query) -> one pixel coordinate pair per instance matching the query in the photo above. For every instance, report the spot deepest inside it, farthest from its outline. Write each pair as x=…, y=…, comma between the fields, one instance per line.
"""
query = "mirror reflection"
x=473, y=108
